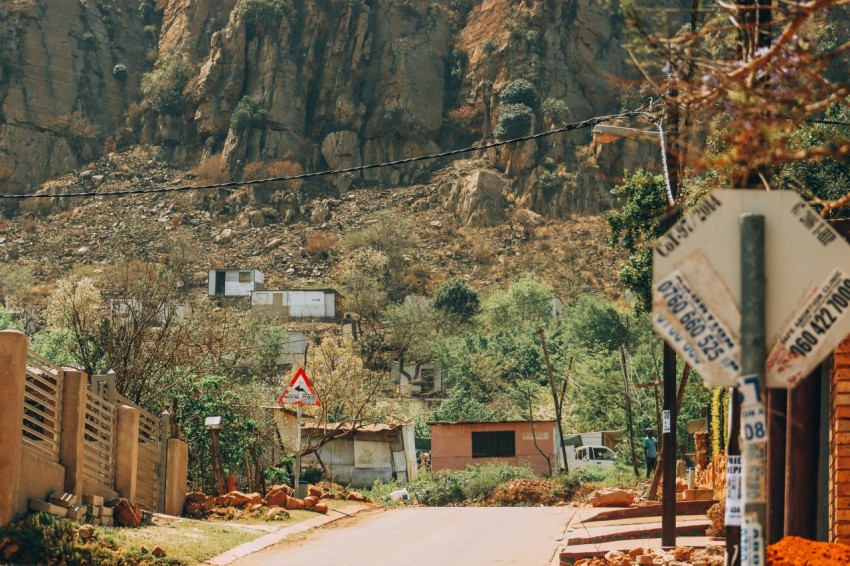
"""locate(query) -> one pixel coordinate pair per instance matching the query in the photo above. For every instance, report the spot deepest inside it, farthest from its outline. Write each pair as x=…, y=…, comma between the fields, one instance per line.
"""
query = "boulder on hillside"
x=478, y=199
x=528, y=217
x=294, y=504
x=613, y=498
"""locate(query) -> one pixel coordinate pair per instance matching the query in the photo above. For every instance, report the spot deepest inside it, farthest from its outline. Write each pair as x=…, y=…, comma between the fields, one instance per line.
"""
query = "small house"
x=419, y=379
x=235, y=282
x=363, y=454
x=454, y=446
x=297, y=303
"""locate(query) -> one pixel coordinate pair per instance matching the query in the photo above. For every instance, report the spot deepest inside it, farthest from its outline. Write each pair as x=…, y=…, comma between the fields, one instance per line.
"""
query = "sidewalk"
x=275, y=537
x=594, y=532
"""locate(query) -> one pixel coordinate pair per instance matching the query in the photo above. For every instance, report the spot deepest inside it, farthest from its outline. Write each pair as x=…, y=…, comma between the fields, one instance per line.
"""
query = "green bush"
x=248, y=114
x=146, y=11
x=519, y=91
x=455, y=298
x=163, y=87
x=556, y=110
x=550, y=184
x=261, y=11
x=120, y=72
x=514, y=121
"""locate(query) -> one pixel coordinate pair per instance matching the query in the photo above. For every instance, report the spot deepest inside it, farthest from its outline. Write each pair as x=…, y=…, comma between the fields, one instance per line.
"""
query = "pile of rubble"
x=527, y=492
x=679, y=556
x=92, y=509
x=274, y=506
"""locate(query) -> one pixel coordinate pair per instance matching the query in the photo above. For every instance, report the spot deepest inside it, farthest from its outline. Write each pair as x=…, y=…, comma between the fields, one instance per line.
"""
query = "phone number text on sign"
x=691, y=328
x=807, y=330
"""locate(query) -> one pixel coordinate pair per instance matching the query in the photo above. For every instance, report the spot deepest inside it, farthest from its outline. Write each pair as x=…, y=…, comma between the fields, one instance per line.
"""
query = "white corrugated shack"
x=297, y=303
x=235, y=282
x=373, y=452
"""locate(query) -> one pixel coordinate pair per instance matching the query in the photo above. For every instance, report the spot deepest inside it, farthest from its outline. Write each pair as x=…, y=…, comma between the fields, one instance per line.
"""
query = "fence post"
x=164, y=433
x=71, y=438
x=176, y=474
x=126, y=451
x=13, y=368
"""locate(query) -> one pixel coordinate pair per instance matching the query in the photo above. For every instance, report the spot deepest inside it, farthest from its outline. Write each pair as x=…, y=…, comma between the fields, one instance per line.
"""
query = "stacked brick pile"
x=274, y=506
x=714, y=476
x=91, y=509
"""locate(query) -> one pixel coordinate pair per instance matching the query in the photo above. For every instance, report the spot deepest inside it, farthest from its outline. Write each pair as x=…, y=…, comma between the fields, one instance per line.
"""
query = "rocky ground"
x=451, y=233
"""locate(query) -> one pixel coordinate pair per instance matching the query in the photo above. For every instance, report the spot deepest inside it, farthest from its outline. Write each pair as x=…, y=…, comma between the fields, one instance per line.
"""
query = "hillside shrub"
x=556, y=110
x=248, y=114
x=163, y=87
x=120, y=72
x=514, y=121
x=261, y=11
x=519, y=91
x=320, y=243
x=455, y=298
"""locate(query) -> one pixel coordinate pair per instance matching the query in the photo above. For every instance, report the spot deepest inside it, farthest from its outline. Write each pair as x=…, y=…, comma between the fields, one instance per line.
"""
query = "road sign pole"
x=668, y=450
x=297, y=450
x=753, y=352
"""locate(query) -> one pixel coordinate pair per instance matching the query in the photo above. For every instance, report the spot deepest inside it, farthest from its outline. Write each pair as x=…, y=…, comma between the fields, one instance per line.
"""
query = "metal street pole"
x=295, y=483
x=752, y=386
x=668, y=444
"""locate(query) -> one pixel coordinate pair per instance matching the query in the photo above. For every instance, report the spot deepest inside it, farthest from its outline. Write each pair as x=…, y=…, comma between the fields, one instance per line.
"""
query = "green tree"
x=525, y=306
x=456, y=299
x=640, y=220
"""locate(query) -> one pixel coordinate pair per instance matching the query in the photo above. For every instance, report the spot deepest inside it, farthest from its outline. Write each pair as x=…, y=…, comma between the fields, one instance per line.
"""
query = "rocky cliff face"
x=331, y=83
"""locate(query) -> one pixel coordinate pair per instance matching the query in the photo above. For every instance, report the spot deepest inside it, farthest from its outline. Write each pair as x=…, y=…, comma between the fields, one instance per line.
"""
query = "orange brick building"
x=456, y=445
x=839, y=446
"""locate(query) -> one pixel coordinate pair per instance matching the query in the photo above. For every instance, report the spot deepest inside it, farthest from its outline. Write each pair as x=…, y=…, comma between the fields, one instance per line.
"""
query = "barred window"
x=497, y=444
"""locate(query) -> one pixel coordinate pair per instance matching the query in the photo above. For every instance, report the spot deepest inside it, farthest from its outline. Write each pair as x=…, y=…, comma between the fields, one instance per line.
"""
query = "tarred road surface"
x=426, y=536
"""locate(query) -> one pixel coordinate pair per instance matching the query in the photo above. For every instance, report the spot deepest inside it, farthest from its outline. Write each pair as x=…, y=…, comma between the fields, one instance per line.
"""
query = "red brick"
x=841, y=380
x=841, y=451
x=842, y=490
x=842, y=412
x=841, y=438
x=841, y=477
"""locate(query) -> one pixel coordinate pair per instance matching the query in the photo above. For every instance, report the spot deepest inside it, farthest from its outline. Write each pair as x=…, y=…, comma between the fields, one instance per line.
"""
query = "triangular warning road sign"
x=300, y=391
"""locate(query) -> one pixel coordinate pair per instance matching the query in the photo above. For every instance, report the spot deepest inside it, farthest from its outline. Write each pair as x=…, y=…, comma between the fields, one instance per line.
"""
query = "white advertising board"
x=697, y=286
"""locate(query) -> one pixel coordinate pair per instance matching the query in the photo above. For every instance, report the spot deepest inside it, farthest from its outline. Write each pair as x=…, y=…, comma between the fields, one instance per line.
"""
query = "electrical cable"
x=232, y=185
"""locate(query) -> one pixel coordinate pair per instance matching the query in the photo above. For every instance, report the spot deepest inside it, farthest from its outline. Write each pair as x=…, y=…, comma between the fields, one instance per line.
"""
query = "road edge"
x=265, y=541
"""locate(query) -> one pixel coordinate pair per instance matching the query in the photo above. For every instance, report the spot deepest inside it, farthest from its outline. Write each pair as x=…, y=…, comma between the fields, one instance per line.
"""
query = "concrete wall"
x=451, y=445
x=39, y=477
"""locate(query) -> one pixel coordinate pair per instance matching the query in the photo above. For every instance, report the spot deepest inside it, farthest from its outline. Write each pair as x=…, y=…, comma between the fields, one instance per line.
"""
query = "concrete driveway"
x=432, y=536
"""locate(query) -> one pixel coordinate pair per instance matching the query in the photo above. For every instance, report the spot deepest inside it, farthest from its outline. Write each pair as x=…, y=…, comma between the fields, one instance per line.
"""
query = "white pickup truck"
x=586, y=456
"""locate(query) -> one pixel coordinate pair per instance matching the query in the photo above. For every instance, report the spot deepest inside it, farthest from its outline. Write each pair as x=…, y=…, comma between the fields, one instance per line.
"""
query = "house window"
x=497, y=444
x=244, y=276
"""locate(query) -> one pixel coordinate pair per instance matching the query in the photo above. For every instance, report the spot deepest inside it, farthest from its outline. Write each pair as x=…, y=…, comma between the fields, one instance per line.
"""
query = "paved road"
x=424, y=536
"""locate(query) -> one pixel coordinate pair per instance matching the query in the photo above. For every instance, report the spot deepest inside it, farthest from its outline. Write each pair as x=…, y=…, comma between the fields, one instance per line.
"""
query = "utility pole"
x=554, y=397
x=668, y=443
x=753, y=354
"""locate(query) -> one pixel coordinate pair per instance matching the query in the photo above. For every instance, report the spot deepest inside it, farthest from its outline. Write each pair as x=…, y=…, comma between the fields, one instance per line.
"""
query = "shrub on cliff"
x=261, y=11
x=519, y=91
x=514, y=121
x=163, y=87
x=248, y=114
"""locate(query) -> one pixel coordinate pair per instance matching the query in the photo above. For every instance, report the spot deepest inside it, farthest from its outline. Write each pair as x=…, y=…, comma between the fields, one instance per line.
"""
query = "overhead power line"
x=590, y=122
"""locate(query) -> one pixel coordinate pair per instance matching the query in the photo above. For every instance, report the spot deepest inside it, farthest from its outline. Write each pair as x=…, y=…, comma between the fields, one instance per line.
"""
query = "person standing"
x=650, y=450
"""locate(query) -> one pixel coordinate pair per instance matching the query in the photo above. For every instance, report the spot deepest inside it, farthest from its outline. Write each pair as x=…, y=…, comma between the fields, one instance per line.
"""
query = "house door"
x=219, y=282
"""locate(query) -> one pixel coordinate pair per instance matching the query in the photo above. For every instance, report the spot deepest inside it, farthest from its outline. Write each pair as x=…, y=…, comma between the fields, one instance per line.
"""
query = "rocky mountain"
x=241, y=89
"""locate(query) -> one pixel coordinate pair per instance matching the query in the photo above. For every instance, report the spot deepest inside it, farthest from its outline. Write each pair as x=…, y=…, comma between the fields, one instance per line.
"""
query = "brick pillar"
x=74, y=387
x=126, y=451
x=839, y=446
x=13, y=367
x=176, y=475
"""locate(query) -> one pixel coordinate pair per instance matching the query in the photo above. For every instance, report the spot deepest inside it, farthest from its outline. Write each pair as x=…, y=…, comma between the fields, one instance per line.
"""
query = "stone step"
x=591, y=534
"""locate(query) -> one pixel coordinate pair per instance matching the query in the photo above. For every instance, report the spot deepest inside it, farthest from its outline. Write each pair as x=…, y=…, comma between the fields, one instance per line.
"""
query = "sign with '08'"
x=697, y=286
